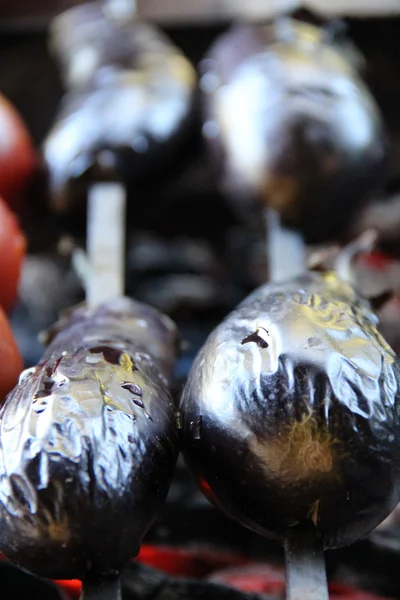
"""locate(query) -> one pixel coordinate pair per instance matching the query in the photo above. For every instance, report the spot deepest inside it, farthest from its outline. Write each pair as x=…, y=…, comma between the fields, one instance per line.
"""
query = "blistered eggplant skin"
x=128, y=109
x=291, y=412
x=291, y=124
x=88, y=443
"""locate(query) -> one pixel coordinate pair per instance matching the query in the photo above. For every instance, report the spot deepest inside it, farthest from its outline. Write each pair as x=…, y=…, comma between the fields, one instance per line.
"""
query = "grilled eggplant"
x=291, y=413
x=129, y=102
x=88, y=442
x=290, y=124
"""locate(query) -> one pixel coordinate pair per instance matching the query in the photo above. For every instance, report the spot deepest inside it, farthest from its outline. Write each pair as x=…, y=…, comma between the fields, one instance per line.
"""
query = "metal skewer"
x=25, y=14
x=286, y=250
x=106, y=242
x=304, y=557
x=106, y=210
x=102, y=588
x=105, y=281
x=305, y=565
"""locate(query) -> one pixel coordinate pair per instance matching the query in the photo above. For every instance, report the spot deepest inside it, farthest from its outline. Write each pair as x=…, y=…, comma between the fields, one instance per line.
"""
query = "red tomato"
x=17, y=155
x=12, y=251
x=11, y=363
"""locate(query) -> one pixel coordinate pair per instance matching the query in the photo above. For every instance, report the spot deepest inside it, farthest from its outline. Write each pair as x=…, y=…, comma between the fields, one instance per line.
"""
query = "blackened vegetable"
x=292, y=413
x=88, y=443
x=128, y=106
x=291, y=125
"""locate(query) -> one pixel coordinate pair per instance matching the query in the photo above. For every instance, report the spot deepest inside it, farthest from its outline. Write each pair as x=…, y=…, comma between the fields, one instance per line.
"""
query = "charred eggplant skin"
x=88, y=442
x=309, y=141
x=291, y=412
x=141, y=85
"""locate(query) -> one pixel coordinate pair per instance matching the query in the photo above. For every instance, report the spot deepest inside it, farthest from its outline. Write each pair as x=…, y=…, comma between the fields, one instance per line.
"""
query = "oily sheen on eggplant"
x=291, y=124
x=291, y=413
x=127, y=110
x=88, y=442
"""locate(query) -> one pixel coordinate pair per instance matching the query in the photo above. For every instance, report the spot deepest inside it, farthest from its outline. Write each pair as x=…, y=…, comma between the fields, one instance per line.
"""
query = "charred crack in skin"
x=111, y=355
x=48, y=372
x=257, y=338
x=56, y=364
x=40, y=394
x=115, y=356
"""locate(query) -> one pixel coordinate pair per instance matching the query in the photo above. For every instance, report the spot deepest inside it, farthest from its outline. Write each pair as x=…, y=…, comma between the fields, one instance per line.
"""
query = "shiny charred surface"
x=309, y=141
x=88, y=442
x=291, y=413
x=129, y=102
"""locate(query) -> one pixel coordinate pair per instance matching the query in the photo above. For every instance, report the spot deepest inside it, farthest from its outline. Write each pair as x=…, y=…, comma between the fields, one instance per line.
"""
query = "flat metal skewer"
x=36, y=15
x=105, y=281
x=305, y=565
x=286, y=250
x=106, y=242
x=107, y=587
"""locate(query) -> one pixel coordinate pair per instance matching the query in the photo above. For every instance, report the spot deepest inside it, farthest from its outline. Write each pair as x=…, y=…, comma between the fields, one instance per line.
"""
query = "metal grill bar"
x=26, y=14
